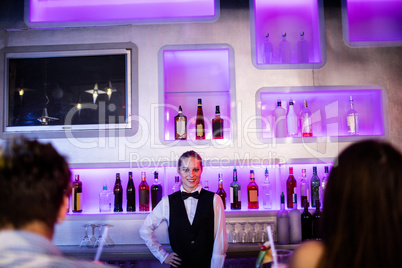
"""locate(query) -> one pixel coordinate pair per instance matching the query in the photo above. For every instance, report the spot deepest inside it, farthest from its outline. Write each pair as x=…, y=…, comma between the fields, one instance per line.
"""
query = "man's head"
x=34, y=183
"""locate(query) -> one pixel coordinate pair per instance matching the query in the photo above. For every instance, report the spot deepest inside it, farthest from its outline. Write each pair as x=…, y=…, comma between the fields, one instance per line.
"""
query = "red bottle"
x=143, y=189
x=221, y=192
x=199, y=123
x=290, y=188
x=252, y=191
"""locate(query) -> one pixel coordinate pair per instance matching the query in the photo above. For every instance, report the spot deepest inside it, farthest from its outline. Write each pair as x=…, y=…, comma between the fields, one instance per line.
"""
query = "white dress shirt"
x=161, y=213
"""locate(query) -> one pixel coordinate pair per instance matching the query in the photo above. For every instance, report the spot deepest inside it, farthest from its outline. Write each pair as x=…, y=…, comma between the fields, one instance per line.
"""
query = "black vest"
x=193, y=243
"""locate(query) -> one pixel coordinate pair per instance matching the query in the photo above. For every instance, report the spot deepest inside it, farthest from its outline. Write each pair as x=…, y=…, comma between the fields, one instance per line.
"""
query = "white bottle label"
x=352, y=124
x=181, y=126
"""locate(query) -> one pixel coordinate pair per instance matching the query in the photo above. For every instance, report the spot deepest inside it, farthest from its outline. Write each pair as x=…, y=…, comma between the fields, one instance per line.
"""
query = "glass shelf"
x=191, y=72
x=290, y=17
x=372, y=23
x=328, y=105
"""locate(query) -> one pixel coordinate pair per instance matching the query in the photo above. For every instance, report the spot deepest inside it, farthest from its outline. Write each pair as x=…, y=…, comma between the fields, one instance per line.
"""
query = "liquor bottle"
x=352, y=118
x=306, y=223
x=302, y=50
x=77, y=194
x=304, y=187
x=324, y=182
x=305, y=118
x=316, y=221
x=217, y=125
x=130, y=193
x=221, y=192
x=315, y=187
x=290, y=188
x=105, y=199
x=268, y=50
x=280, y=125
x=295, y=223
x=291, y=120
x=284, y=50
x=180, y=126
x=199, y=123
x=266, y=191
x=283, y=223
x=143, y=190
x=252, y=190
x=206, y=185
x=118, y=194
x=235, y=192
x=176, y=186
x=156, y=191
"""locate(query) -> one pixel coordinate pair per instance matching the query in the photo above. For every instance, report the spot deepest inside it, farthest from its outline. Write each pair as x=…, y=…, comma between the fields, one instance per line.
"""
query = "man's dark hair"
x=34, y=178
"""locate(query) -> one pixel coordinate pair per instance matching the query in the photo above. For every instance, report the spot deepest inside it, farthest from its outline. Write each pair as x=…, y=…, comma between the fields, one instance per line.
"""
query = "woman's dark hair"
x=362, y=215
x=34, y=177
x=187, y=155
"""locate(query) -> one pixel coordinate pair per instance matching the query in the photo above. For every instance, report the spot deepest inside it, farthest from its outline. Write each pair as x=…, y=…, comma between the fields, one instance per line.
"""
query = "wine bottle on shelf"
x=283, y=223
x=266, y=187
x=206, y=185
x=280, y=125
x=315, y=187
x=105, y=199
x=306, y=123
x=316, y=221
x=235, y=192
x=295, y=223
x=252, y=190
x=290, y=188
x=302, y=50
x=156, y=191
x=118, y=194
x=180, y=125
x=130, y=193
x=291, y=120
x=268, y=50
x=352, y=118
x=217, y=125
x=143, y=190
x=284, y=50
x=77, y=194
x=199, y=123
x=304, y=187
x=324, y=182
x=221, y=192
x=306, y=223
x=176, y=186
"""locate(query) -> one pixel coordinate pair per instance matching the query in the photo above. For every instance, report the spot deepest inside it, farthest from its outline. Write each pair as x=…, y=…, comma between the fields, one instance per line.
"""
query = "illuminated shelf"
x=292, y=16
x=191, y=72
x=328, y=105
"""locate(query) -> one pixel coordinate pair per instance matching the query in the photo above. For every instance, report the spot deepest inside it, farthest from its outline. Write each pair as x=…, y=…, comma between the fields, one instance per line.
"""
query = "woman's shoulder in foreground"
x=307, y=255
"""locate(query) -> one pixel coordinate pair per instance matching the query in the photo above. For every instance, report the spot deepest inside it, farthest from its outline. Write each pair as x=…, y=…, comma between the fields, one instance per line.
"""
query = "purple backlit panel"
x=292, y=17
x=193, y=74
x=56, y=11
x=329, y=108
x=374, y=20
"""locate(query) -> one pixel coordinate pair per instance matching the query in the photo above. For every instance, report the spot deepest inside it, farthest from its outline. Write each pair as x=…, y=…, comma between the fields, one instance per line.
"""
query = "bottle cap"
x=279, y=102
x=315, y=170
x=283, y=34
x=267, y=35
x=301, y=33
x=266, y=171
x=291, y=170
x=104, y=187
x=199, y=102
x=130, y=173
x=217, y=109
x=77, y=177
x=291, y=102
x=156, y=174
x=180, y=110
x=326, y=169
x=282, y=198
x=176, y=178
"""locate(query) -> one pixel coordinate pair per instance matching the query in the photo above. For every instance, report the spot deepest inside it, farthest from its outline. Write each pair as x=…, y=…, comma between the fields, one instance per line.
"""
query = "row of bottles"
x=181, y=124
x=288, y=124
x=109, y=199
x=294, y=226
x=310, y=191
x=285, y=55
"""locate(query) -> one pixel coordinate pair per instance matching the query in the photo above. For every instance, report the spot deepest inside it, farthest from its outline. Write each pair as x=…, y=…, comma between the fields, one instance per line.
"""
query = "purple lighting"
x=372, y=21
x=59, y=11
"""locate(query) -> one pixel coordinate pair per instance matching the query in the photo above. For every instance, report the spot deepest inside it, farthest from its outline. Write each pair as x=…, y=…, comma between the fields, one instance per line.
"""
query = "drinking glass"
x=252, y=234
x=86, y=242
x=262, y=235
x=233, y=234
x=108, y=241
x=242, y=233
x=93, y=238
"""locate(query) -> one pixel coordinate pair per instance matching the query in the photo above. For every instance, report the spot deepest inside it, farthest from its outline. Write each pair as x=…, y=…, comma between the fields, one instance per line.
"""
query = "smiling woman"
x=190, y=169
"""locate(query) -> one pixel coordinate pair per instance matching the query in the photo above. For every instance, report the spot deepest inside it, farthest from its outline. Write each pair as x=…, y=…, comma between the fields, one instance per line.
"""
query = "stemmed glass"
x=86, y=242
x=252, y=234
x=108, y=241
x=233, y=234
x=262, y=234
x=93, y=238
x=242, y=233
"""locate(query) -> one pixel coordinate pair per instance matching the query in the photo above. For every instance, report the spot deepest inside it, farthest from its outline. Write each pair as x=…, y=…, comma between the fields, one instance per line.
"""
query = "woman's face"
x=190, y=173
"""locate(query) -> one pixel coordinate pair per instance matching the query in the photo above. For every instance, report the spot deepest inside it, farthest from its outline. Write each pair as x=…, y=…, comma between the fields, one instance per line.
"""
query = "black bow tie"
x=185, y=195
